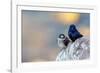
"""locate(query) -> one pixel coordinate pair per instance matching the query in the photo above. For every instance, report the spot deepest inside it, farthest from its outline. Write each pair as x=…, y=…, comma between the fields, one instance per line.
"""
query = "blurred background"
x=40, y=30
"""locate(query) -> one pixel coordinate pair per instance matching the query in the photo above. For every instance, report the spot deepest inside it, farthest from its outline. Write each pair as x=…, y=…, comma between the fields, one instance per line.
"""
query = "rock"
x=78, y=50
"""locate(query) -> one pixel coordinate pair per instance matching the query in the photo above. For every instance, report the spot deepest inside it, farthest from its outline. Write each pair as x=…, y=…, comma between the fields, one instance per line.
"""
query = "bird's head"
x=72, y=28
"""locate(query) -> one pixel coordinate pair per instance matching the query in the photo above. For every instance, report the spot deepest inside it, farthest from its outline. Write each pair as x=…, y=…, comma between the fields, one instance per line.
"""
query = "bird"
x=73, y=33
x=63, y=41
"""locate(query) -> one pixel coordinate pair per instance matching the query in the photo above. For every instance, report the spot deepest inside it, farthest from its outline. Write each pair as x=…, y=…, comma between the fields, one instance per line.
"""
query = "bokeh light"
x=68, y=18
x=85, y=31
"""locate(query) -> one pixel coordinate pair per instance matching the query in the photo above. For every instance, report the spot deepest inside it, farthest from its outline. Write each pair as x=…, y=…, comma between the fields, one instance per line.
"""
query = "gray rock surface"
x=78, y=50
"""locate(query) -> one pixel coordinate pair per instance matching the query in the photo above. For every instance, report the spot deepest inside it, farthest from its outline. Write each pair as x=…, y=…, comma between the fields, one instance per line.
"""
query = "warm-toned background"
x=40, y=31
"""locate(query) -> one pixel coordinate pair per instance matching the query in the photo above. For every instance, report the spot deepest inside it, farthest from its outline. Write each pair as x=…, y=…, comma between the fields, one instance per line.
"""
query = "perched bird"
x=73, y=33
x=63, y=41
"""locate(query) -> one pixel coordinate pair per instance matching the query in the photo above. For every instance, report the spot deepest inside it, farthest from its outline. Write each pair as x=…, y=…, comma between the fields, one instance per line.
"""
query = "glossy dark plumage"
x=66, y=41
x=73, y=33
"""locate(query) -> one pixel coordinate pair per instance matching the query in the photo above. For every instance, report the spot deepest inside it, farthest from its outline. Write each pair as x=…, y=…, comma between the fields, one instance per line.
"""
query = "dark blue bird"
x=73, y=33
